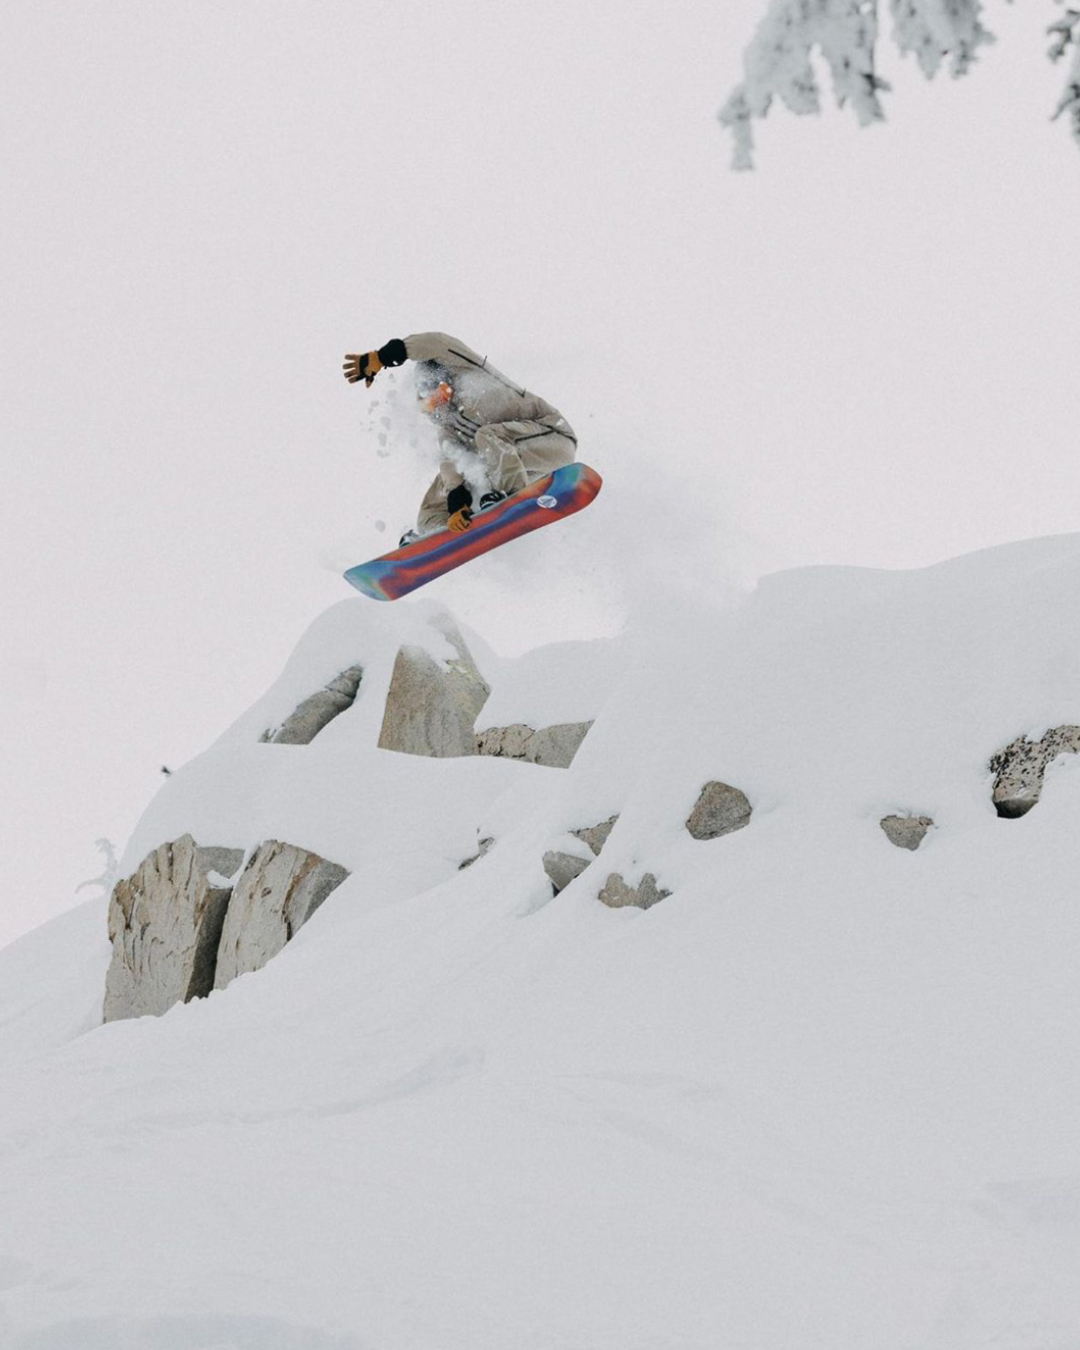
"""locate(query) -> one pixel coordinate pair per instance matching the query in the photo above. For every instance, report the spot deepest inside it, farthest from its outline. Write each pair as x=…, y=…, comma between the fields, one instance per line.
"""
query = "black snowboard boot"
x=491, y=499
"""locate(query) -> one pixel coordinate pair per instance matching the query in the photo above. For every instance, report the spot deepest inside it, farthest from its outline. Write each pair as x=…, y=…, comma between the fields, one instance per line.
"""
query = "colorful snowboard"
x=567, y=490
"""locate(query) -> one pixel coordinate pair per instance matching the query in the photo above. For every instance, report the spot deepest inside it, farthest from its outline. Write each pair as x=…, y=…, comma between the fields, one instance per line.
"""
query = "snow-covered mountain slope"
x=826, y=1093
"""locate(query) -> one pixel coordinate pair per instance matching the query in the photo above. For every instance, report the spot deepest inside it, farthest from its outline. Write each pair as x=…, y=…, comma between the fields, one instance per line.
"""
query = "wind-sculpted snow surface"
x=823, y=1093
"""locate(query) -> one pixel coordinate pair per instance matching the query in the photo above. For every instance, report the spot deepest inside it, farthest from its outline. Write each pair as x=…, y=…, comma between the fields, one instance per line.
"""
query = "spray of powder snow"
x=653, y=541
x=399, y=454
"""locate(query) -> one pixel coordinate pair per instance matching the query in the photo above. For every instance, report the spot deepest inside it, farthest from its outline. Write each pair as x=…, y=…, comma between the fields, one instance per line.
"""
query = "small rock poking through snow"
x=906, y=831
x=617, y=894
x=719, y=810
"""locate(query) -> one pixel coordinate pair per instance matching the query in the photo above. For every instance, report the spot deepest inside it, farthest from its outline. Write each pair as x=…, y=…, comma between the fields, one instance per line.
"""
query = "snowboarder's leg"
x=433, y=514
x=515, y=454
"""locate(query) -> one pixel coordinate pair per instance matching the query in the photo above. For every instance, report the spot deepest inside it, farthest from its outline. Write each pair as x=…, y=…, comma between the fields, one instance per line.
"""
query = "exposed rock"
x=432, y=706
x=563, y=868
x=1020, y=767
x=617, y=894
x=719, y=810
x=485, y=846
x=596, y=836
x=510, y=742
x=553, y=747
x=165, y=922
x=280, y=889
x=307, y=719
x=906, y=831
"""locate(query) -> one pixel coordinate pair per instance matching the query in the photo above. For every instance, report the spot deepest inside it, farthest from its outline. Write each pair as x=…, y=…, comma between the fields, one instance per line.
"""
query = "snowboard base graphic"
x=562, y=493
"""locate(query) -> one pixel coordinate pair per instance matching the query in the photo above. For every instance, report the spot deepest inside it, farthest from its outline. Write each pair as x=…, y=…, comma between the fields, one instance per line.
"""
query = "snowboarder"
x=496, y=438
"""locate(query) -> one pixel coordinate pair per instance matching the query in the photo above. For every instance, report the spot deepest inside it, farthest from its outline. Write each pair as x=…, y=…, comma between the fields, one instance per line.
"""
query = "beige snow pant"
x=510, y=456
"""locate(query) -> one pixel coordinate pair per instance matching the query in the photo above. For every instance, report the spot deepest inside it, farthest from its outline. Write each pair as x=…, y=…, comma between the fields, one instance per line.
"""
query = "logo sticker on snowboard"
x=548, y=503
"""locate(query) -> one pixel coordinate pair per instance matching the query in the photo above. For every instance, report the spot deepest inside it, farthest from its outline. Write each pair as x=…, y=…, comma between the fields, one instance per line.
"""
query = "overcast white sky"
x=864, y=353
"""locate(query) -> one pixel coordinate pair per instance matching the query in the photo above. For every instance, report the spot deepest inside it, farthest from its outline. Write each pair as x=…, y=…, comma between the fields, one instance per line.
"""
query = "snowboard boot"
x=488, y=500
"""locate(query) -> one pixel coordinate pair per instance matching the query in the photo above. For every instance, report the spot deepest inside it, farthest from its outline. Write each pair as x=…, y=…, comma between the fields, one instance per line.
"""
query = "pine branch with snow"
x=1066, y=33
x=778, y=62
x=778, y=65
x=938, y=29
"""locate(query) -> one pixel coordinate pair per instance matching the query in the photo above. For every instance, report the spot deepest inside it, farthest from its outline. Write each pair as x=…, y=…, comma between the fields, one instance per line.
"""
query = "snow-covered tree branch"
x=1065, y=34
x=778, y=63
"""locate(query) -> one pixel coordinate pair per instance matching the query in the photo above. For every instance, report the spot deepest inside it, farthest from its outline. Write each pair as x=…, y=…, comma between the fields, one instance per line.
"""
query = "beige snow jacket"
x=483, y=393
x=495, y=434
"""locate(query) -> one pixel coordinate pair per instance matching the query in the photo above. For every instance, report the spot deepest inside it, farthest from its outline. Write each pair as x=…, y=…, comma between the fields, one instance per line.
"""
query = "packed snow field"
x=825, y=1094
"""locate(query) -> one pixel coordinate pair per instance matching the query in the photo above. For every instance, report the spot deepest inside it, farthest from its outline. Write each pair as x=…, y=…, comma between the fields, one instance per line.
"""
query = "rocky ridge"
x=193, y=915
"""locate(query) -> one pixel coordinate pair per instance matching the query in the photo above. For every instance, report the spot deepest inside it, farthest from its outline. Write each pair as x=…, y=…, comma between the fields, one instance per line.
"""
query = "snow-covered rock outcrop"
x=644, y=754
x=701, y=976
x=1019, y=768
x=189, y=920
x=182, y=923
x=280, y=889
x=433, y=701
x=165, y=923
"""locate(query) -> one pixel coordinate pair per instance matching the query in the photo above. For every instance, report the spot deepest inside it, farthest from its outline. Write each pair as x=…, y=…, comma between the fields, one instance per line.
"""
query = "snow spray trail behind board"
x=395, y=574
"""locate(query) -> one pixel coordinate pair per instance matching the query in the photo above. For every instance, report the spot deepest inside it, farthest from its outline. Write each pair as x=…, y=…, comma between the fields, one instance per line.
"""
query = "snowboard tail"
x=568, y=490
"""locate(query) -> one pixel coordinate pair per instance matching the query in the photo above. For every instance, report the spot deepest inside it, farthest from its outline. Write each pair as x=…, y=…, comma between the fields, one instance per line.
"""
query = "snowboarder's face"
x=433, y=401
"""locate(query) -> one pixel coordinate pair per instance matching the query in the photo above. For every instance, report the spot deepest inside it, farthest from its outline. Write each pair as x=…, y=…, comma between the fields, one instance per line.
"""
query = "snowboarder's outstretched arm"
x=447, y=351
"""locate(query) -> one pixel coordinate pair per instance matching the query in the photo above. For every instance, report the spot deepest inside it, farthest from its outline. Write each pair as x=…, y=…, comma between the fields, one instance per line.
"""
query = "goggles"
x=432, y=400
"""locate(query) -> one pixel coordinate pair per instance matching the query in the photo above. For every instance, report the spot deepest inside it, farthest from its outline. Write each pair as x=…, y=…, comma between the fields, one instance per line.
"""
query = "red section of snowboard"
x=567, y=490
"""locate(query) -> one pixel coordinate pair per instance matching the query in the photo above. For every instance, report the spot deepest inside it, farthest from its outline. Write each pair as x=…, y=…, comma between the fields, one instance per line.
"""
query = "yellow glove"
x=460, y=521
x=366, y=366
x=362, y=367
